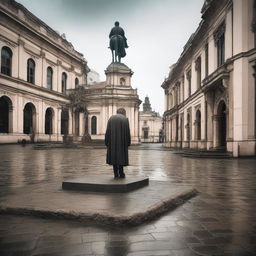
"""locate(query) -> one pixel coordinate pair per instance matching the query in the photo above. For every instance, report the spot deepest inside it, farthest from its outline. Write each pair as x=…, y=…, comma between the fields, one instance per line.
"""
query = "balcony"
x=218, y=79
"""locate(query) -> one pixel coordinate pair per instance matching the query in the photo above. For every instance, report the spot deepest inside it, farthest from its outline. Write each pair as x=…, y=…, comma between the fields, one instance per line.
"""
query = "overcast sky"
x=156, y=32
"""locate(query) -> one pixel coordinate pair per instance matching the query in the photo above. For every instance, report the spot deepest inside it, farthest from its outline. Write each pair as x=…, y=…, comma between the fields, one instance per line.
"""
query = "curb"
x=106, y=219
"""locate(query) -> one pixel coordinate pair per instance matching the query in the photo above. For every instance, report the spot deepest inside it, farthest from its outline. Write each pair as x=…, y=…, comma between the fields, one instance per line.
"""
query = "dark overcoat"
x=117, y=140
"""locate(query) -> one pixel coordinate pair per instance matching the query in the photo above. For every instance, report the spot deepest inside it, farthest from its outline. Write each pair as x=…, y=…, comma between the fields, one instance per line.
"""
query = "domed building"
x=150, y=124
x=103, y=99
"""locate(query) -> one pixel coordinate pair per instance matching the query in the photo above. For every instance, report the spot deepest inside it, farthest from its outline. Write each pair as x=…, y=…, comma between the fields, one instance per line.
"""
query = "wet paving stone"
x=220, y=221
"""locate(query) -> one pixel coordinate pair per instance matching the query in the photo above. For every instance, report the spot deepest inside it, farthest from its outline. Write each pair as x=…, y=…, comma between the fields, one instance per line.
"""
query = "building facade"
x=93, y=77
x=103, y=99
x=150, y=124
x=38, y=67
x=210, y=91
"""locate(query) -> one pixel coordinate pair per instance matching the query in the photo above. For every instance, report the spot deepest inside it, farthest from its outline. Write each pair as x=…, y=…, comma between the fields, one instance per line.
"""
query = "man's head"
x=121, y=111
x=116, y=23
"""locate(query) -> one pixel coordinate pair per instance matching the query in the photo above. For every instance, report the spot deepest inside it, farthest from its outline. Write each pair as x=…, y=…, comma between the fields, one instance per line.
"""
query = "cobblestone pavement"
x=221, y=220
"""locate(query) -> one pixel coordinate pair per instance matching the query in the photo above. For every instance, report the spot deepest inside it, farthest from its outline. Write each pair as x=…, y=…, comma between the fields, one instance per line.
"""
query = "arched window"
x=122, y=81
x=94, y=125
x=188, y=127
x=48, y=121
x=49, y=78
x=63, y=82
x=31, y=71
x=6, y=61
x=76, y=82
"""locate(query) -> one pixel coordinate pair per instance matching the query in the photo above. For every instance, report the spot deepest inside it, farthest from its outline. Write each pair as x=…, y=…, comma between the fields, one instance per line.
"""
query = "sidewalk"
x=131, y=208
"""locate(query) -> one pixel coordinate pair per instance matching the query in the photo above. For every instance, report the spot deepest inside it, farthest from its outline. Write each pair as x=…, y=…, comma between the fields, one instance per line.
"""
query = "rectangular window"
x=189, y=82
x=206, y=60
x=182, y=84
x=221, y=50
x=198, y=71
x=145, y=134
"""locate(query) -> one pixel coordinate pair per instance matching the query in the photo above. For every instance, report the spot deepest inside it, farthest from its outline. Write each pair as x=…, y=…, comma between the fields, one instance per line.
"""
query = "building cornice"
x=212, y=8
x=38, y=28
x=62, y=97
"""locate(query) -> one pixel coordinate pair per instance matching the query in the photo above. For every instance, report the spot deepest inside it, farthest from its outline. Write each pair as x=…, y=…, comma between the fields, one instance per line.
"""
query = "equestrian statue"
x=117, y=43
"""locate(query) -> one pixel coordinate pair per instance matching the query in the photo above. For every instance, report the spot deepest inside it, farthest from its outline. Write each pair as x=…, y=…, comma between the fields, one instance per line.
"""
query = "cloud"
x=156, y=33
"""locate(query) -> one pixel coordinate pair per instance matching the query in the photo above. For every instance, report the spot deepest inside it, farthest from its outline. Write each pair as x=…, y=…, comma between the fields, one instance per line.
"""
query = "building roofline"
x=193, y=40
x=32, y=19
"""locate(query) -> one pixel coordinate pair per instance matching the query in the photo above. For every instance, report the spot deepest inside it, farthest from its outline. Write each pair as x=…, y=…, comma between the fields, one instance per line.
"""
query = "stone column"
x=254, y=75
x=81, y=123
x=136, y=123
x=40, y=124
x=205, y=127
x=58, y=124
x=10, y=115
x=209, y=119
x=215, y=119
x=103, y=120
x=70, y=122
x=132, y=122
x=18, y=115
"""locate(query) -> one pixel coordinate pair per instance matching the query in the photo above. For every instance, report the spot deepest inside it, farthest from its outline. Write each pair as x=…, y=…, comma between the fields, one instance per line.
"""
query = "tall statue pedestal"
x=105, y=98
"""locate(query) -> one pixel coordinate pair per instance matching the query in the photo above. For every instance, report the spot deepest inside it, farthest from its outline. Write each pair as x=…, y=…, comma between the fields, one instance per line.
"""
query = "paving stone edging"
x=107, y=219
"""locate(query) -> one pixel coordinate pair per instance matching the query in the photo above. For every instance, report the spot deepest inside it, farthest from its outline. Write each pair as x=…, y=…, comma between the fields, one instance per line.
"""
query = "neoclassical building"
x=38, y=67
x=104, y=98
x=210, y=91
x=150, y=124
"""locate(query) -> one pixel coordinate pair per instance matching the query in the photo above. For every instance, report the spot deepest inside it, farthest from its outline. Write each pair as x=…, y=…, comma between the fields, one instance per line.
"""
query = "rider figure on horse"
x=118, y=41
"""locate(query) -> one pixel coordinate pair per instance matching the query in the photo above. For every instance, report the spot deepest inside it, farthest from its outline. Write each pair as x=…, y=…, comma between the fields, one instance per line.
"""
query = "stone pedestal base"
x=105, y=183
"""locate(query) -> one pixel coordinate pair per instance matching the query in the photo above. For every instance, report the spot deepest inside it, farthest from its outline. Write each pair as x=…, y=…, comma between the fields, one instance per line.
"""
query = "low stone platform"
x=105, y=183
x=48, y=200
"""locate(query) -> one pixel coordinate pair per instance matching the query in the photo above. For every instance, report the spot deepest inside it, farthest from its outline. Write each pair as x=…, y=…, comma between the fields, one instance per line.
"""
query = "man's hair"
x=116, y=23
x=121, y=111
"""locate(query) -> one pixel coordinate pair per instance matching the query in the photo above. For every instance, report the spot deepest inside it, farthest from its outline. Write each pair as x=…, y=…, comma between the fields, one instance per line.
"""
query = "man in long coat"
x=117, y=140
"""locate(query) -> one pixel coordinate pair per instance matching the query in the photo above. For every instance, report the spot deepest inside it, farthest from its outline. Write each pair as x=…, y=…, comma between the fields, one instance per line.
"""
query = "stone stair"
x=202, y=153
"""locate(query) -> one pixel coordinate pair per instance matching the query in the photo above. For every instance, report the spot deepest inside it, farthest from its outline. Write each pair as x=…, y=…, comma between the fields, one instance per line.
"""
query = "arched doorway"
x=188, y=127
x=94, y=125
x=177, y=128
x=222, y=125
x=64, y=121
x=198, y=125
x=29, y=119
x=5, y=114
x=49, y=121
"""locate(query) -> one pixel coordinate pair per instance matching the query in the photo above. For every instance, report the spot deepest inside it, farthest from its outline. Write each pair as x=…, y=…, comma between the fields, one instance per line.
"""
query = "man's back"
x=117, y=139
x=116, y=31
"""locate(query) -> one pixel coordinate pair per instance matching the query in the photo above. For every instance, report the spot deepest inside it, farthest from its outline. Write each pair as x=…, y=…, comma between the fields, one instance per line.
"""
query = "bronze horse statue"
x=117, y=47
x=117, y=43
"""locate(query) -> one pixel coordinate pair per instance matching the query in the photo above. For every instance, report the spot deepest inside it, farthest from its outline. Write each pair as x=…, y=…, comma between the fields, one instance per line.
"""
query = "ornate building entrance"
x=29, y=118
x=222, y=125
